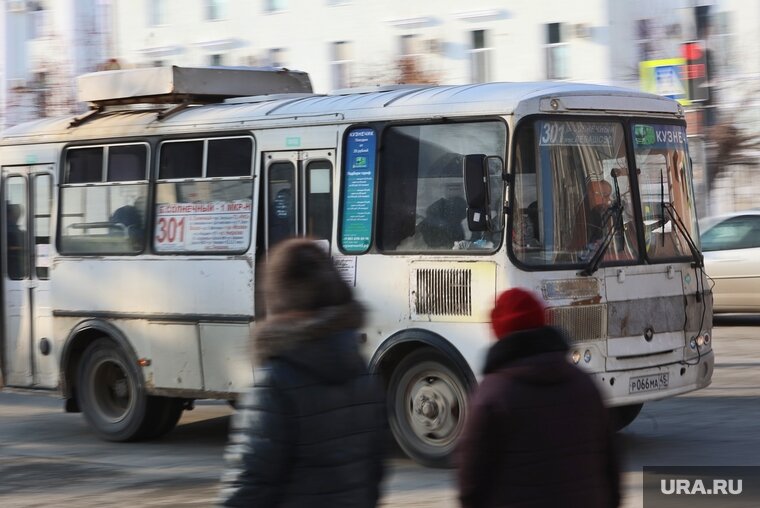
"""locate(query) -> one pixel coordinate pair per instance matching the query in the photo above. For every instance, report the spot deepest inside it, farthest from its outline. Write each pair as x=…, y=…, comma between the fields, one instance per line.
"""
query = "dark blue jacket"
x=311, y=431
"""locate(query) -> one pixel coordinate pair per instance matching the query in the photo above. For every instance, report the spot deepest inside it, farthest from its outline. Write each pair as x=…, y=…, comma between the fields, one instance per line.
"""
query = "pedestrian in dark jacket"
x=537, y=434
x=311, y=431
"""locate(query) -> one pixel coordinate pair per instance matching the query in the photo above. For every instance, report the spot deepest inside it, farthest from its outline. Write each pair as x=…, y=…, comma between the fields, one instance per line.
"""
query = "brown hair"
x=300, y=276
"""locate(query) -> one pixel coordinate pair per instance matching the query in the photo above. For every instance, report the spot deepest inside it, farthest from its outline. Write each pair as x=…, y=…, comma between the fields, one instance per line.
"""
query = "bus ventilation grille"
x=444, y=292
x=582, y=324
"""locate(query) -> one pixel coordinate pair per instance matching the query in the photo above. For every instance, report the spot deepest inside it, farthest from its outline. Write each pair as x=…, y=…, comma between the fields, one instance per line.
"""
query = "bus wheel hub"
x=427, y=408
x=120, y=389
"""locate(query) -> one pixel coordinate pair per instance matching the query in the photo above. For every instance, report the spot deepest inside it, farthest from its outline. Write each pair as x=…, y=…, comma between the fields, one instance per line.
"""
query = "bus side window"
x=103, y=200
x=42, y=191
x=281, y=213
x=422, y=203
x=204, y=196
x=319, y=199
x=16, y=237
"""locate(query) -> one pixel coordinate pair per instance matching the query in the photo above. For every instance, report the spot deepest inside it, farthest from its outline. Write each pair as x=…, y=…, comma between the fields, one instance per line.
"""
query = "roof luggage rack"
x=183, y=86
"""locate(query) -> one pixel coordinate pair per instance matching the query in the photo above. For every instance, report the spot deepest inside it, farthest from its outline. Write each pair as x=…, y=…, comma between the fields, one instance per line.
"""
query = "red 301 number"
x=170, y=230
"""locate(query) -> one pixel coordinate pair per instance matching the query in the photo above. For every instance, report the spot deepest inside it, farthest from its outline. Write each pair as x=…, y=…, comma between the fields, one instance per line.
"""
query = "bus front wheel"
x=166, y=412
x=623, y=416
x=111, y=394
x=427, y=406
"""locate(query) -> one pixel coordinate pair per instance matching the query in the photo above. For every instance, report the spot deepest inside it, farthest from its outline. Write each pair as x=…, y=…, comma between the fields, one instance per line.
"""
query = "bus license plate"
x=648, y=383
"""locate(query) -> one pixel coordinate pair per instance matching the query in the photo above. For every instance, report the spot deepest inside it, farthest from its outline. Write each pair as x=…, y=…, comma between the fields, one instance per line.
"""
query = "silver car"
x=731, y=246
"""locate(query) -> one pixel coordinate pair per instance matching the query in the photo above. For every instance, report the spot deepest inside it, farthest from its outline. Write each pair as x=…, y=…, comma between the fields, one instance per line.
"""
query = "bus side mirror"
x=476, y=171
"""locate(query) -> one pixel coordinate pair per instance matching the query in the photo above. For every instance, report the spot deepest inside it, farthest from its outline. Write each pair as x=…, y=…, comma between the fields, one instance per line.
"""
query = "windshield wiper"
x=680, y=226
x=615, y=212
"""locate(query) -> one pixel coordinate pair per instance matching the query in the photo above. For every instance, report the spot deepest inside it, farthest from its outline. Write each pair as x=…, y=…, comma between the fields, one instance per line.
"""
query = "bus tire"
x=111, y=393
x=623, y=416
x=427, y=406
x=166, y=412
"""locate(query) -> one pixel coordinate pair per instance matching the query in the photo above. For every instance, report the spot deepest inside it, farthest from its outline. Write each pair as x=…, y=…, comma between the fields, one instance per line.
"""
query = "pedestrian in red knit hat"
x=516, y=309
x=537, y=433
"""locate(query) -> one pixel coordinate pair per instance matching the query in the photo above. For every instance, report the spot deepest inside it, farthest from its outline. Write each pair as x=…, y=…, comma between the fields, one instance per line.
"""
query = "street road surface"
x=49, y=458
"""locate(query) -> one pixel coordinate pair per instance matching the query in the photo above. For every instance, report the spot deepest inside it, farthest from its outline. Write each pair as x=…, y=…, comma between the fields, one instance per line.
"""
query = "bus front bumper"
x=655, y=383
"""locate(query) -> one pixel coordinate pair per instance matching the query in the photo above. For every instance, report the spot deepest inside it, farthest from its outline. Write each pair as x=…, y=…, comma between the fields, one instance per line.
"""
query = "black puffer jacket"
x=311, y=431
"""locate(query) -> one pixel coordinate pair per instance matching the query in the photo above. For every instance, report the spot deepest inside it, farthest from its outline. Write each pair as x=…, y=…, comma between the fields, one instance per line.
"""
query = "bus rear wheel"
x=623, y=416
x=427, y=406
x=113, y=398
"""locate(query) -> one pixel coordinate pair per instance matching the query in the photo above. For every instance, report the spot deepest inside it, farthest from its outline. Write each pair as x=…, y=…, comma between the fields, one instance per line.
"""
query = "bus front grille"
x=443, y=292
x=580, y=323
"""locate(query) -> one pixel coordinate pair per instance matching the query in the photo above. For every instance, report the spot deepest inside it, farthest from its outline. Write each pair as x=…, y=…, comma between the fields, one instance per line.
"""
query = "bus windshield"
x=667, y=198
x=572, y=191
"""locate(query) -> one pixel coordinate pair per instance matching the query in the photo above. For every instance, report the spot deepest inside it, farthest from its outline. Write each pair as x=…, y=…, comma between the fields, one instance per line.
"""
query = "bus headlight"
x=587, y=356
x=693, y=343
x=576, y=356
x=701, y=340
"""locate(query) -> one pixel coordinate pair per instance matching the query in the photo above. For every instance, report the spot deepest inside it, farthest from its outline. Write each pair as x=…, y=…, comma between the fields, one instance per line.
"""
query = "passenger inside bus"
x=15, y=236
x=442, y=226
x=592, y=216
x=528, y=233
x=131, y=219
x=599, y=198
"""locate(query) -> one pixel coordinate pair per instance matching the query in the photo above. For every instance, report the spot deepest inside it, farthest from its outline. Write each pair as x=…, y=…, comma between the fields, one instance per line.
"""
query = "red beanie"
x=516, y=309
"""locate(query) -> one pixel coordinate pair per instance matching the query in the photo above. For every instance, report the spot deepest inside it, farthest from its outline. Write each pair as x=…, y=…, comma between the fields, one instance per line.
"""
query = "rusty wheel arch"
x=397, y=346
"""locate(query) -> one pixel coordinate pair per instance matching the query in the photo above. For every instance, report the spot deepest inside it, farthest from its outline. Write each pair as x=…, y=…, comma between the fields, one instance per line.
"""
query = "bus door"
x=297, y=200
x=27, y=318
x=298, y=195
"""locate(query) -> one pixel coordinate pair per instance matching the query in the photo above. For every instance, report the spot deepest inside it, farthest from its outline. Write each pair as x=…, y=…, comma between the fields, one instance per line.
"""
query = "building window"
x=414, y=60
x=36, y=19
x=216, y=60
x=156, y=12
x=722, y=45
x=410, y=45
x=480, y=57
x=275, y=5
x=215, y=9
x=644, y=42
x=277, y=57
x=340, y=64
x=556, y=52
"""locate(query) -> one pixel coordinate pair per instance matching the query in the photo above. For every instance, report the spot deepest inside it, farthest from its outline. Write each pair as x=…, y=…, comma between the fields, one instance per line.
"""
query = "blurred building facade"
x=344, y=43
x=43, y=46
x=347, y=43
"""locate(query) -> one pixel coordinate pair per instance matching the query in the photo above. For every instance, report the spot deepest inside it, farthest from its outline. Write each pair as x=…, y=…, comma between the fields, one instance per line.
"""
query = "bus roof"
x=350, y=106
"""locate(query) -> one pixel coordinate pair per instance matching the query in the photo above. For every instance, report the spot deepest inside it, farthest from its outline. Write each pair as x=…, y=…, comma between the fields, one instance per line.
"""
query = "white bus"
x=132, y=237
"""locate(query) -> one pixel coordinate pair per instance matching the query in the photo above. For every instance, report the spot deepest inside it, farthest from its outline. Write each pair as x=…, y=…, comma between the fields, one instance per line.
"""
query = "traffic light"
x=696, y=72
